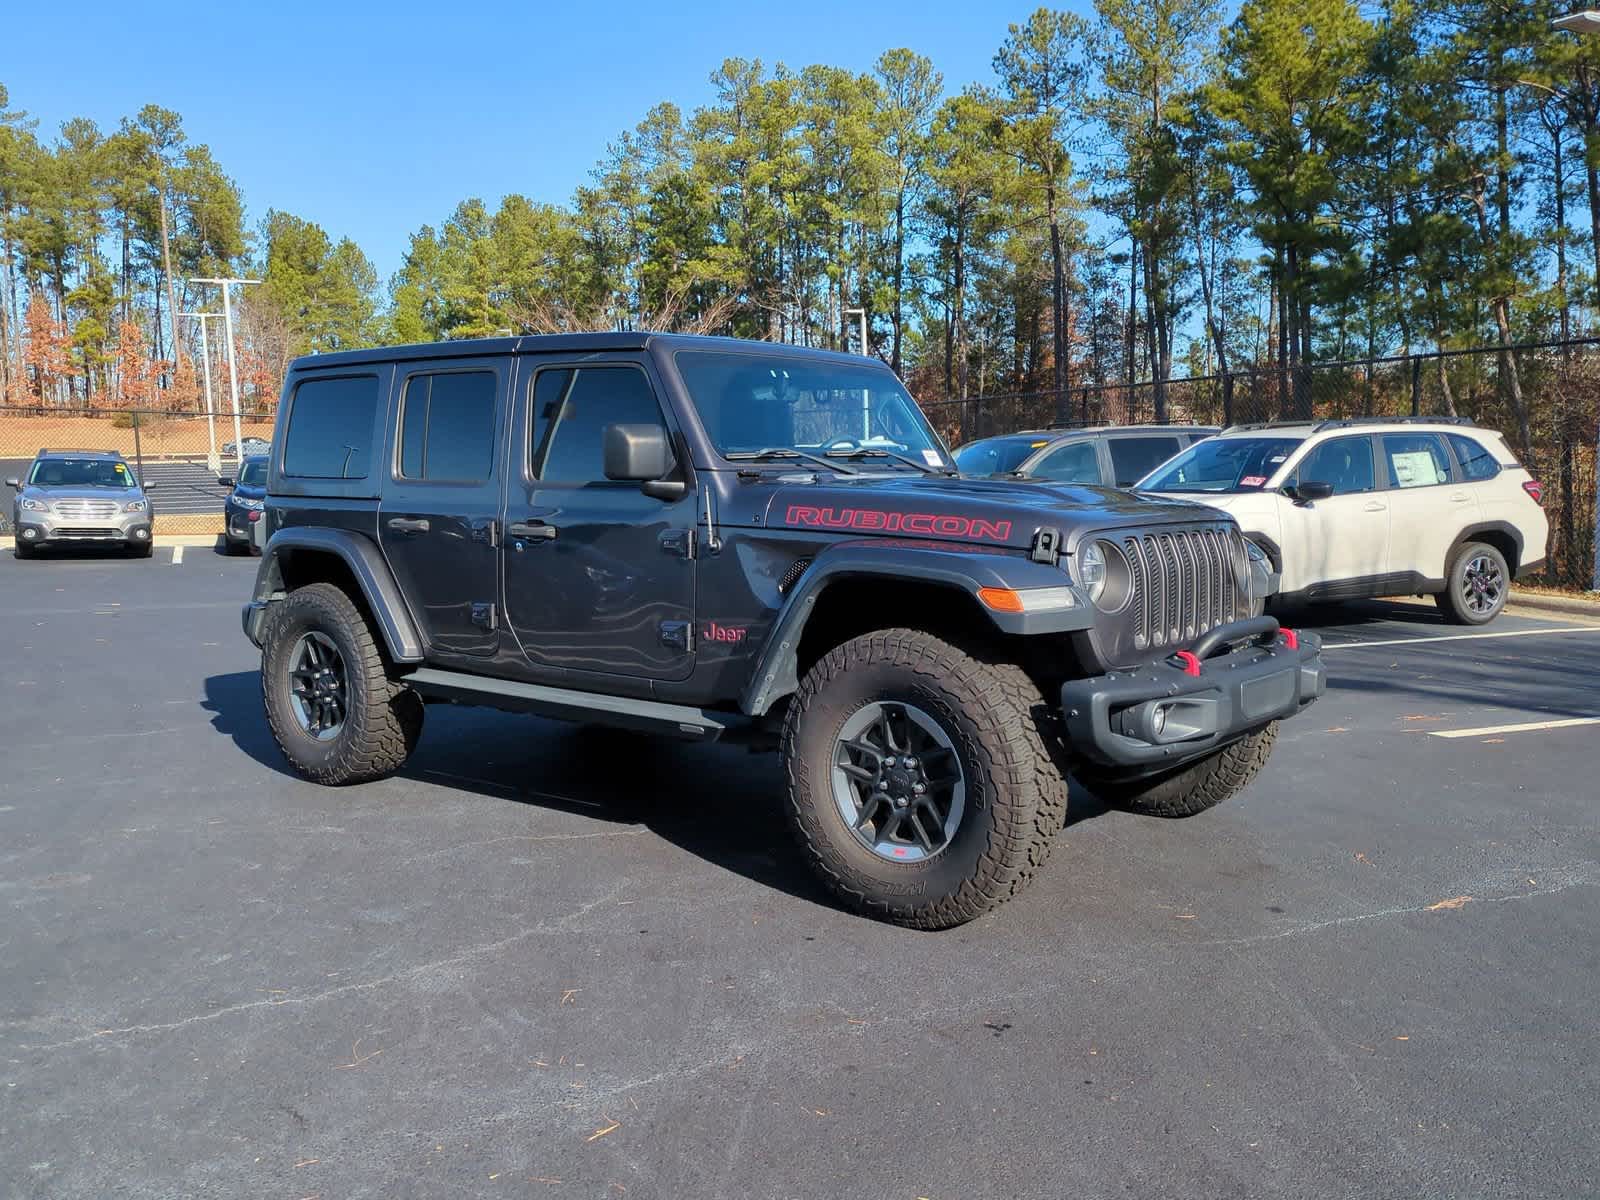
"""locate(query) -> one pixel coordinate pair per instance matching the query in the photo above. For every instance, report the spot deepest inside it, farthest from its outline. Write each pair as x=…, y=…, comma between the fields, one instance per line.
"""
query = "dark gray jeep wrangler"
x=707, y=539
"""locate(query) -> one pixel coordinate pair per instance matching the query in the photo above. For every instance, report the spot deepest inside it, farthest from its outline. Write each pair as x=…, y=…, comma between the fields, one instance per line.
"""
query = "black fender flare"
x=963, y=568
x=1472, y=533
x=361, y=555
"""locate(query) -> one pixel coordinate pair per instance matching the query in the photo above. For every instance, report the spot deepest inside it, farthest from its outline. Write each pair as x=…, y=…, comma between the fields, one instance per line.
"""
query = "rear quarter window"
x=1477, y=460
x=329, y=435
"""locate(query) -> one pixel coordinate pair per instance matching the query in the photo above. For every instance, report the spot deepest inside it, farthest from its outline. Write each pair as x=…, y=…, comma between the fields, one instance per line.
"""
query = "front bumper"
x=134, y=532
x=1166, y=713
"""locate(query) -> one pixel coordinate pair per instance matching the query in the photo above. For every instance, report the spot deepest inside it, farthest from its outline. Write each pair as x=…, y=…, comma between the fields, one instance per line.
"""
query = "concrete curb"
x=1569, y=606
x=161, y=539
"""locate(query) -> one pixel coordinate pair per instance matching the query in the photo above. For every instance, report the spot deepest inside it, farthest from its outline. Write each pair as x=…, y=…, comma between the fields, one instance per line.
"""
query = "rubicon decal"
x=942, y=525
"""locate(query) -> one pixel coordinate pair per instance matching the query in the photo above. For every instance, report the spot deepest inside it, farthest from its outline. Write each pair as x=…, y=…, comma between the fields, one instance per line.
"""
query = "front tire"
x=337, y=715
x=1193, y=787
x=924, y=781
x=1477, y=585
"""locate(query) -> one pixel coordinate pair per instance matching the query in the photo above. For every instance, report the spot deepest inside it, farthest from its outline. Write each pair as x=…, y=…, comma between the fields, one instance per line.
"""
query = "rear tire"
x=1192, y=788
x=1477, y=585
x=335, y=711
x=959, y=717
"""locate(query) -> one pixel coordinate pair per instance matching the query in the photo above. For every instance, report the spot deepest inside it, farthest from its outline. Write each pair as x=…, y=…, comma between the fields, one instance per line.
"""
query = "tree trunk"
x=899, y=276
x=1209, y=300
x=1058, y=333
x=172, y=294
x=958, y=317
x=1506, y=360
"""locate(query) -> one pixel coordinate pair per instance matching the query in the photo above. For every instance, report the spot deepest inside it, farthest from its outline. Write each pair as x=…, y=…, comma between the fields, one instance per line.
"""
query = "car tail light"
x=1535, y=489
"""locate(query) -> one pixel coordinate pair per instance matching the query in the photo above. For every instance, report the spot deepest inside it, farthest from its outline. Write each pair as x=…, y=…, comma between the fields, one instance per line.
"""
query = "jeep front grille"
x=1183, y=583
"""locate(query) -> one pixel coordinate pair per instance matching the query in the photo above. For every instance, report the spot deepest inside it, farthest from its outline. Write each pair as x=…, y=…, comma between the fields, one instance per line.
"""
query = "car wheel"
x=924, y=782
x=1477, y=585
x=335, y=711
x=1193, y=787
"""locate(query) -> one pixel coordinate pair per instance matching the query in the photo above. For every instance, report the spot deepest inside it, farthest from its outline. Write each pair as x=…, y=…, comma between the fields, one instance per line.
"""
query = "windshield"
x=754, y=402
x=81, y=472
x=253, y=474
x=996, y=456
x=1221, y=465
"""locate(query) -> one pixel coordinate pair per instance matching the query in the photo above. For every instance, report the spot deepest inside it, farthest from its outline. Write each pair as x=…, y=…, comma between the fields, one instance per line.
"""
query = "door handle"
x=533, y=530
x=1460, y=497
x=409, y=524
x=1374, y=506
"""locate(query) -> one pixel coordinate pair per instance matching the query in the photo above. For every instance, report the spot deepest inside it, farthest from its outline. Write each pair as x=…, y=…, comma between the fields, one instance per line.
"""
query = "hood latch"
x=1046, y=547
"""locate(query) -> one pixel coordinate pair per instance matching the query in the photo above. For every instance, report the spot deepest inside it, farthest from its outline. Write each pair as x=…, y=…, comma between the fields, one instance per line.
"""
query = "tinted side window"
x=1132, y=458
x=330, y=428
x=447, y=426
x=1076, y=462
x=571, y=409
x=1415, y=459
x=1476, y=460
x=1346, y=463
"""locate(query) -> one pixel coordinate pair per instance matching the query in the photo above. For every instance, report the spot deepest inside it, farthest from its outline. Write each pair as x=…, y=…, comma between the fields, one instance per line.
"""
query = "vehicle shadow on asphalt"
x=720, y=803
x=1353, y=615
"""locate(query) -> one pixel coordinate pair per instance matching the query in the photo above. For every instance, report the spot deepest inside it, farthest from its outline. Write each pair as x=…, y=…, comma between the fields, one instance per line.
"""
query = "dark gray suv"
x=82, y=497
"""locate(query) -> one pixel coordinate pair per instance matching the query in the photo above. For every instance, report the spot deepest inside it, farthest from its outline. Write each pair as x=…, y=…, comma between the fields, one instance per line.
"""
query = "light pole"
x=862, y=314
x=213, y=463
x=1582, y=22
x=233, y=373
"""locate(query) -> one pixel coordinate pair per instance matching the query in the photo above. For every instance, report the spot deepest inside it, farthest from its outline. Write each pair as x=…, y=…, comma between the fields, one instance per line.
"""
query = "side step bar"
x=647, y=716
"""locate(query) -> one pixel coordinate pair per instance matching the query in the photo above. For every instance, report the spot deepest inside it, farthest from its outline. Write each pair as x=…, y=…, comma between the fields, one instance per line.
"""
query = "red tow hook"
x=1291, y=639
x=1191, y=664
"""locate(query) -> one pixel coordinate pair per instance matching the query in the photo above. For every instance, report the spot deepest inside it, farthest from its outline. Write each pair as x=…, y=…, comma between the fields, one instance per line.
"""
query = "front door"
x=1345, y=538
x=599, y=577
x=441, y=501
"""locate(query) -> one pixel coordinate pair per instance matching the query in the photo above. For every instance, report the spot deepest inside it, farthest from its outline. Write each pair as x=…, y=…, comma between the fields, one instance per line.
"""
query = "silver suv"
x=81, y=496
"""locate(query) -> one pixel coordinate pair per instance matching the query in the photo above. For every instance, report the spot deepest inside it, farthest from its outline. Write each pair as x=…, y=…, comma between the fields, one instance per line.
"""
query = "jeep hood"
x=976, y=510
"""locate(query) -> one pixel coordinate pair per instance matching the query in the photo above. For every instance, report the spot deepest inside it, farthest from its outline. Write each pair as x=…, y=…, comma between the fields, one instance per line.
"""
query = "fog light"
x=1158, y=721
x=29, y=535
x=141, y=534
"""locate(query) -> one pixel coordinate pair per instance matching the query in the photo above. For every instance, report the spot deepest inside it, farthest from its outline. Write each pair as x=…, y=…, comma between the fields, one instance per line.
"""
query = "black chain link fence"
x=1558, y=384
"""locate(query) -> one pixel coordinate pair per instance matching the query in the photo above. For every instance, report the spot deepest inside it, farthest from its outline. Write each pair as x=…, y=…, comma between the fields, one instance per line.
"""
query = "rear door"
x=438, y=518
x=1134, y=457
x=599, y=578
x=1345, y=538
x=1430, y=503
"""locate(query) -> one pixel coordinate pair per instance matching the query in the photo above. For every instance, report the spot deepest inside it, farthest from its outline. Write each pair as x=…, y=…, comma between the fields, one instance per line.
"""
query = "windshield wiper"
x=868, y=451
x=772, y=452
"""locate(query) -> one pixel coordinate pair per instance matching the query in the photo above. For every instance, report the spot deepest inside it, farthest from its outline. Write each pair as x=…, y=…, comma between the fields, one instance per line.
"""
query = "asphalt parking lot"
x=552, y=962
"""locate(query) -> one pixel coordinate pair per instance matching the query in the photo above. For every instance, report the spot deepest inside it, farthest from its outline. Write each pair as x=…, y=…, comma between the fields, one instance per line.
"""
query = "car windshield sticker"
x=1415, y=468
x=122, y=471
x=931, y=457
x=1252, y=481
x=1277, y=458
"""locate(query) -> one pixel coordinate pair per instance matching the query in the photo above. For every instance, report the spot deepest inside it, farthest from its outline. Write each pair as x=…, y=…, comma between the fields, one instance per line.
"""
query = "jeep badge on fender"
x=716, y=539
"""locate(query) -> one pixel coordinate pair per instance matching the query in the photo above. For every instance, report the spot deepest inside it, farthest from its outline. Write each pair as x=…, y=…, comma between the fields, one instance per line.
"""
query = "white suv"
x=1349, y=509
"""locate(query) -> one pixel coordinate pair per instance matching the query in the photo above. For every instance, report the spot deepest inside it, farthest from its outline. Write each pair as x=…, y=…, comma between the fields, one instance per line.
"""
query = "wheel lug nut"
x=919, y=788
x=911, y=762
x=899, y=801
x=888, y=762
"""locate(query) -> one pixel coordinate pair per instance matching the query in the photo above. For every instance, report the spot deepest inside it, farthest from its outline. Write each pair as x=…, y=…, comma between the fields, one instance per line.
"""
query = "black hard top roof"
x=568, y=343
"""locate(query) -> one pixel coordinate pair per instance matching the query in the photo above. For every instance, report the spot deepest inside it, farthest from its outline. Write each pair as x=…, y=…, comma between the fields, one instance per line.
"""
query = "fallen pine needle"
x=566, y=996
x=1183, y=916
x=543, y=1179
x=1402, y=1037
x=306, y=1162
x=1453, y=902
x=600, y=1133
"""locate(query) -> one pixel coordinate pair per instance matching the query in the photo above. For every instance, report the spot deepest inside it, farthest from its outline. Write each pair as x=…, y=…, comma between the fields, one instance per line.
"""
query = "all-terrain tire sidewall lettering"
x=1011, y=809
x=383, y=718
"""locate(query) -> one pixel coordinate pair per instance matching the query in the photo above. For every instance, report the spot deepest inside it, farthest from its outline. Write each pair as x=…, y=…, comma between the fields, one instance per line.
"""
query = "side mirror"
x=1309, y=490
x=14, y=483
x=636, y=453
x=225, y=481
x=148, y=487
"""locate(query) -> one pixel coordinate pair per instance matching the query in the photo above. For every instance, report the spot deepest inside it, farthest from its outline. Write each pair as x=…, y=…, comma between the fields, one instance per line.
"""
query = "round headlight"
x=1092, y=570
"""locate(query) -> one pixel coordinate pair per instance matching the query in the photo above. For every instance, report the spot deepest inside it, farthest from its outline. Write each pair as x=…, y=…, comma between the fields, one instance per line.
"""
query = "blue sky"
x=374, y=119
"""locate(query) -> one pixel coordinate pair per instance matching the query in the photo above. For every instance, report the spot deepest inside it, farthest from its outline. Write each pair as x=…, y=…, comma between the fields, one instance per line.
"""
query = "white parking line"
x=177, y=555
x=1525, y=727
x=1466, y=637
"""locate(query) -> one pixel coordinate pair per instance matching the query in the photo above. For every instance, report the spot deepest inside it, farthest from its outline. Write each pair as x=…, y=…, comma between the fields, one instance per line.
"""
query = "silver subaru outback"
x=84, y=497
